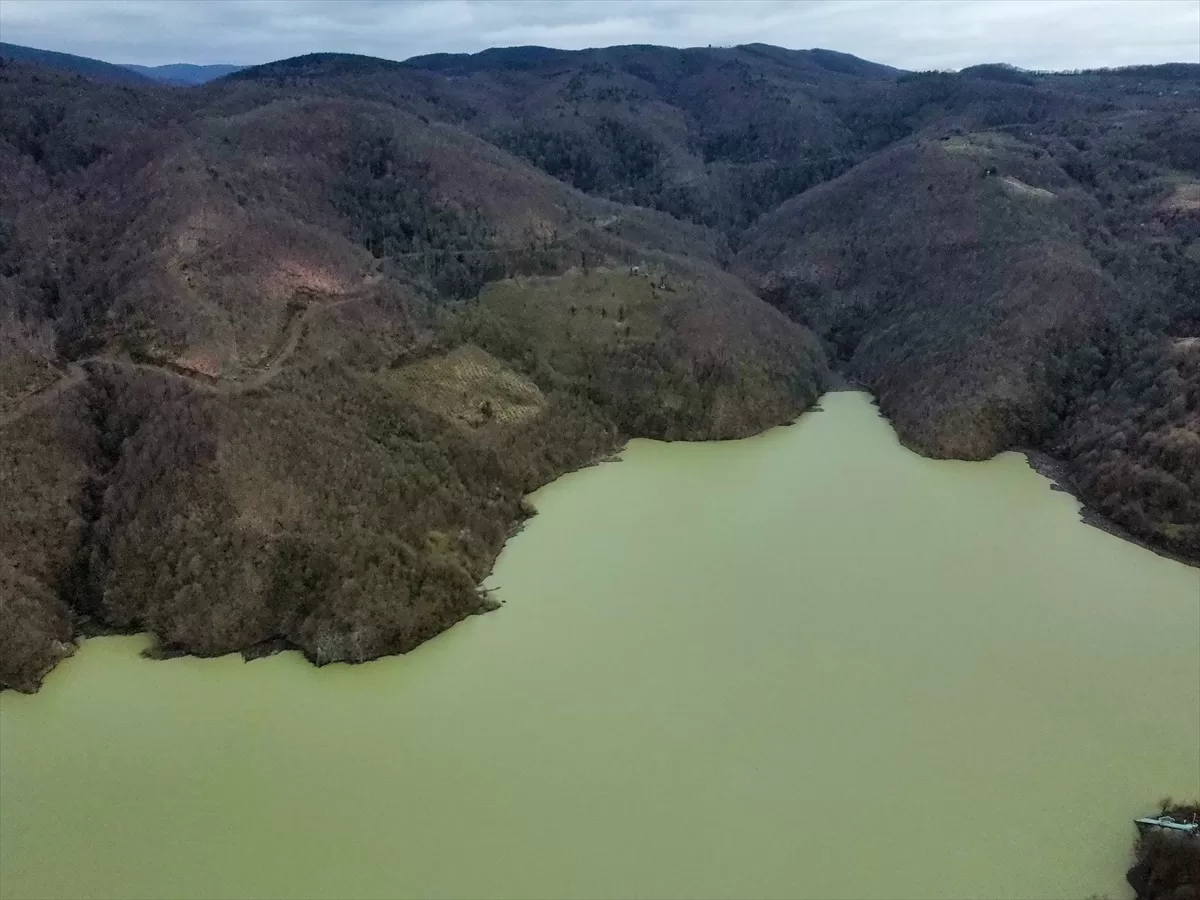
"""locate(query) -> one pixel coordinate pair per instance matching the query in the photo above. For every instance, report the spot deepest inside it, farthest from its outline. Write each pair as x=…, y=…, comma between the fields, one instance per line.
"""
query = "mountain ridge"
x=283, y=351
x=79, y=65
x=532, y=55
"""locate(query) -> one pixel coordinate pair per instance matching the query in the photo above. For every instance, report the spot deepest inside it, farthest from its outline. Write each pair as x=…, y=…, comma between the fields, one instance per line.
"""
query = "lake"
x=806, y=664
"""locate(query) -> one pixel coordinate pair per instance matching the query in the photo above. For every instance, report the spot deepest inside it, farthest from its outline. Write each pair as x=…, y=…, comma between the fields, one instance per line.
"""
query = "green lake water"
x=807, y=664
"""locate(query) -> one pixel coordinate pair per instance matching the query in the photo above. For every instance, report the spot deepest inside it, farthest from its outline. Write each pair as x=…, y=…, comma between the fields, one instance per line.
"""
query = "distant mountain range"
x=79, y=65
x=183, y=74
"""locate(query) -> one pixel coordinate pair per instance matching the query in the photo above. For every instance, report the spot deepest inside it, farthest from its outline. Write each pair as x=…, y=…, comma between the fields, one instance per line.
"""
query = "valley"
x=706, y=654
x=314, y=360
x=319, y=325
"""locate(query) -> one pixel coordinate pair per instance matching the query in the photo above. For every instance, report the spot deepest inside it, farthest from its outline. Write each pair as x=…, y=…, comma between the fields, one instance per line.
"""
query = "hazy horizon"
x=918, y=34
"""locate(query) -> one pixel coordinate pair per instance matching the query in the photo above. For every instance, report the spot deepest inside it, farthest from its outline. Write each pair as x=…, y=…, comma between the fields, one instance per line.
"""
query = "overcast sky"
x=912, y=34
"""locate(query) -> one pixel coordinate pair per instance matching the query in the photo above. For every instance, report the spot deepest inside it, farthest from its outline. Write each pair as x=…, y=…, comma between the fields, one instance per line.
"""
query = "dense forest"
x=281, y=353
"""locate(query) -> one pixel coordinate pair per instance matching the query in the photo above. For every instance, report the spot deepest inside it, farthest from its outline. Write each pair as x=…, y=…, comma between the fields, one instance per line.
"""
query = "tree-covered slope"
x=233, y=333
x=93, y=69
x=939, y=271
x=993, y=300
x=282, y=352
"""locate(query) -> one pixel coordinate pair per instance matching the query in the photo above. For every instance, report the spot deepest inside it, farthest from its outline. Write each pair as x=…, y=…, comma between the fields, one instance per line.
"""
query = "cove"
x=805, y=664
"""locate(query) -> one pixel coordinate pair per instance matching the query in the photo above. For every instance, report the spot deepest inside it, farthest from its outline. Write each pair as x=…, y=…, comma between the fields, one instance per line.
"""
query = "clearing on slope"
x=468, y=387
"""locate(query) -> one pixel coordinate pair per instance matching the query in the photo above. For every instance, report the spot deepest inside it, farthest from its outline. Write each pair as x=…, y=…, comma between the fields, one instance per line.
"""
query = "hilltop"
x=79, y=65
x=177, y=74
x=283, y=351
x=234, y=329
x=928, y=267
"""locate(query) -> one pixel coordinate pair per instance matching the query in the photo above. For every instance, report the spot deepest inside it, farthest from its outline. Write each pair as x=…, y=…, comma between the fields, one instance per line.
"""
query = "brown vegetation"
x=937, y=285
x=993, y=301
x=282, y=353
x=243, y=403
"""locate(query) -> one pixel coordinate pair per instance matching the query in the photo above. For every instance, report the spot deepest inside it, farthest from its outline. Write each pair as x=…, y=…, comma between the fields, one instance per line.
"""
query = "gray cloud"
x=913, y=34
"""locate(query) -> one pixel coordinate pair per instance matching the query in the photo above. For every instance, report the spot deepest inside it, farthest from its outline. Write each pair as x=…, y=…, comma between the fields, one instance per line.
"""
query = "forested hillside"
x=252, y=393
x=1021, y=288
x=81, y=65
x=281, y=353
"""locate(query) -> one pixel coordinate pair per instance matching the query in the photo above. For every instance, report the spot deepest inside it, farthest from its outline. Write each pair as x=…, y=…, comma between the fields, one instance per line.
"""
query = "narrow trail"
x=32, y=402
x=253, y=377
x=293, y=332
x=257, y=376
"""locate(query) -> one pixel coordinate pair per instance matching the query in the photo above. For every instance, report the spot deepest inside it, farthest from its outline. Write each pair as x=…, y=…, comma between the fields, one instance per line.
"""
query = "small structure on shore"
x=1167, y=822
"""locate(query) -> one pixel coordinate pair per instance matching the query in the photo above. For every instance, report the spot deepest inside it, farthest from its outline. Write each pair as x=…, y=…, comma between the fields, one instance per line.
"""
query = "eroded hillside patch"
x=1185, y=198
x=1021, y=189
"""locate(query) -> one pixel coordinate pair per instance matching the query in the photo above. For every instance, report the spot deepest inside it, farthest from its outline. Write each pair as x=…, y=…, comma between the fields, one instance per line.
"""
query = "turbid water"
x=808, y=664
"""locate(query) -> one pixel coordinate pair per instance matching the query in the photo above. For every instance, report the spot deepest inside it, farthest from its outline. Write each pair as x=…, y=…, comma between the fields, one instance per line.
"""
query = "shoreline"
x=1049, y=467
x=1054, y=470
